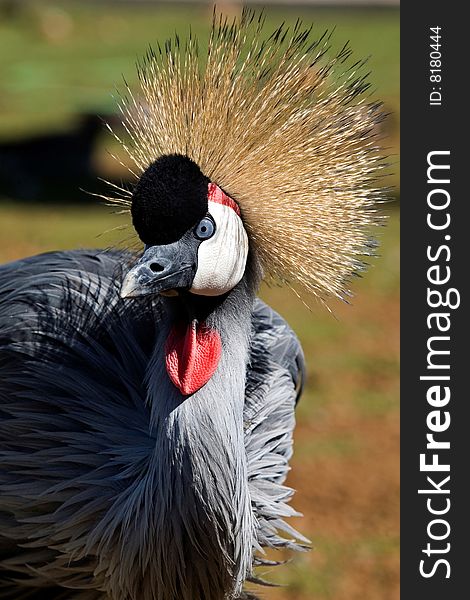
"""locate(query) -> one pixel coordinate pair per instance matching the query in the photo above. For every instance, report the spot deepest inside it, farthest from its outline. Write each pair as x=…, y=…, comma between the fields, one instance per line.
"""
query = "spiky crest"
x=282, y=127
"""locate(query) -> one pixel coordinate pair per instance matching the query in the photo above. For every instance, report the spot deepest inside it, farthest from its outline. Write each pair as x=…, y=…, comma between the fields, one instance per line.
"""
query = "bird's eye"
x=205, y=228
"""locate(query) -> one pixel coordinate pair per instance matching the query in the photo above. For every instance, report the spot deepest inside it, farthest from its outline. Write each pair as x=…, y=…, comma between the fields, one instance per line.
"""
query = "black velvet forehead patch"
x=169, y=198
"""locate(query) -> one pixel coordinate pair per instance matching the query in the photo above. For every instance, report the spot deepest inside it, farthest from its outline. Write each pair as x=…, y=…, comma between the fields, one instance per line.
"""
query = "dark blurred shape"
x=10, y=9
x=53, y=167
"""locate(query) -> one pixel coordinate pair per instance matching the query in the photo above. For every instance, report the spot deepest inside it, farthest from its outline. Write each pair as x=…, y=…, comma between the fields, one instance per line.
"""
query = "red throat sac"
x=192, y=353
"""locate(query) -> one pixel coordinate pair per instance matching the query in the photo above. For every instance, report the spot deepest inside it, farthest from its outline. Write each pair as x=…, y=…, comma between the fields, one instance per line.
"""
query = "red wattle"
x=192, y=353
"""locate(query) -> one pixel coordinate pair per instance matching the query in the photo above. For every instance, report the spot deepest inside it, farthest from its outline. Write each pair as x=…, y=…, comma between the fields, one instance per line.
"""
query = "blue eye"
x=205, y=228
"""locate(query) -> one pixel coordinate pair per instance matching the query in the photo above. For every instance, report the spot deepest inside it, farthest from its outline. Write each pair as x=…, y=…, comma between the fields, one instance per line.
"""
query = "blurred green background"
x=62, y=60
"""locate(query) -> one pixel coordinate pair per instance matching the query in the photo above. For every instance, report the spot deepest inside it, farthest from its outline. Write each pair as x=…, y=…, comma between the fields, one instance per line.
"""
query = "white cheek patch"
x=221, y=258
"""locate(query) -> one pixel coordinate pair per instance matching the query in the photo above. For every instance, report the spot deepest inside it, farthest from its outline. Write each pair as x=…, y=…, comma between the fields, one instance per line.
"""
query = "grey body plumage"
x=112, y=485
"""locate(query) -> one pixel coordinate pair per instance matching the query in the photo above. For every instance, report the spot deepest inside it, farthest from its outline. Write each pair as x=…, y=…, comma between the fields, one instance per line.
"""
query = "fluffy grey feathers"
x=110, y=486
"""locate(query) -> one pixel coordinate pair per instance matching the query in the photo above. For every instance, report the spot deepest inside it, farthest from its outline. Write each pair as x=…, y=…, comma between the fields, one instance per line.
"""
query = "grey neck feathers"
x=203, y=519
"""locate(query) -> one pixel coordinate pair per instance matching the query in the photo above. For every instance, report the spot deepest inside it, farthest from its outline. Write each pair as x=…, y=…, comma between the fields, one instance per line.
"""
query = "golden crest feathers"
x=283, y=128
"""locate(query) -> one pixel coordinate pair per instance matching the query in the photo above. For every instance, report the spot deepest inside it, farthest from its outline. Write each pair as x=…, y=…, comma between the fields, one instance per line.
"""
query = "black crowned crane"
x=147, y=403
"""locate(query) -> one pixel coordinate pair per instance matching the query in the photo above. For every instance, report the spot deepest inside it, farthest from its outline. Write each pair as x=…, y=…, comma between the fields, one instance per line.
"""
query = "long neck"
x=205, y=520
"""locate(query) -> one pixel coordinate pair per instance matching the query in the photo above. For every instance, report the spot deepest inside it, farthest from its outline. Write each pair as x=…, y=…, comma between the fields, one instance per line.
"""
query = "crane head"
x=193, y=233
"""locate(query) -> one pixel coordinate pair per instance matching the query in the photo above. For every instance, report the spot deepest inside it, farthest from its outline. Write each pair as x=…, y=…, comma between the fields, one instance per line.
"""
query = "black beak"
x=162, y=269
